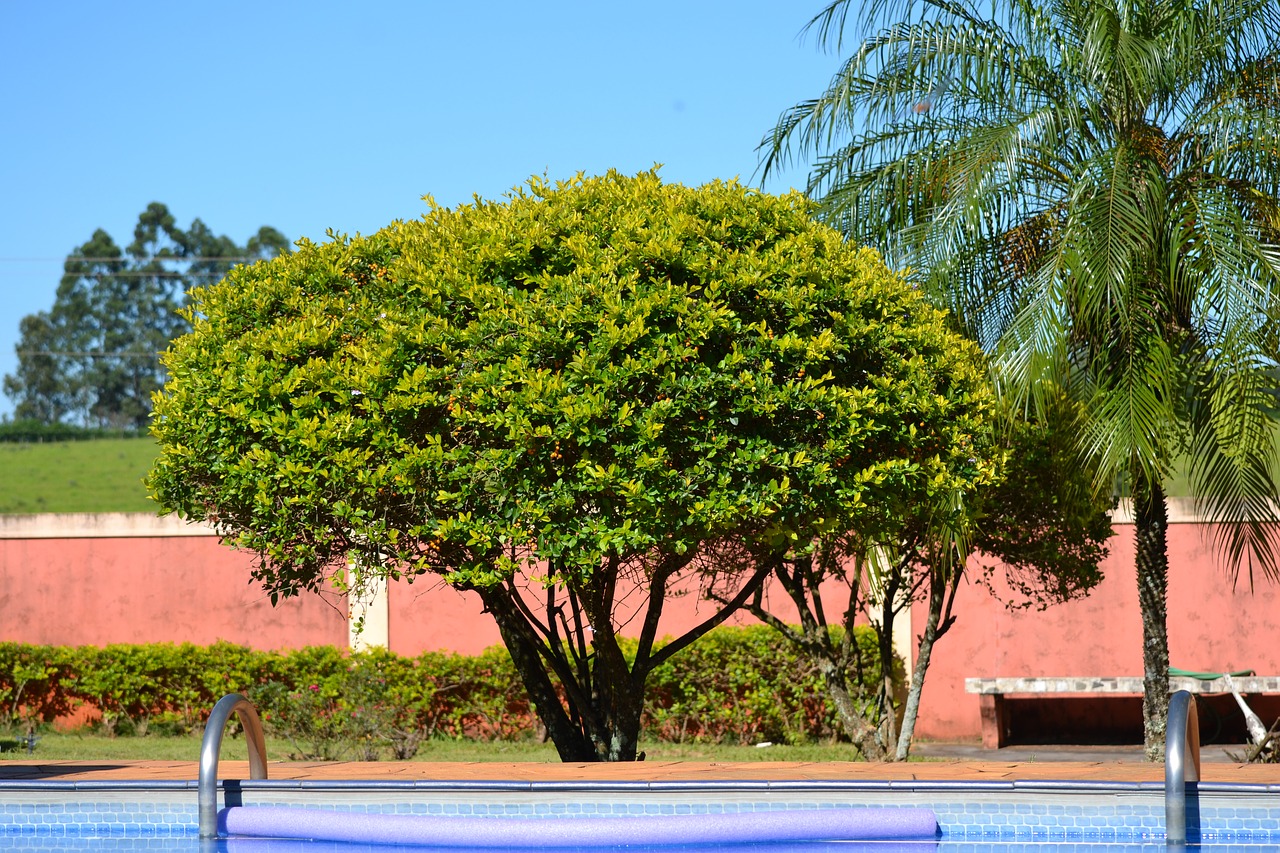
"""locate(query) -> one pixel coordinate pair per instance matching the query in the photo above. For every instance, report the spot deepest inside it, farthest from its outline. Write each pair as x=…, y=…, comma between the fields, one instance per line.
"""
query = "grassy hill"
x=102, y=475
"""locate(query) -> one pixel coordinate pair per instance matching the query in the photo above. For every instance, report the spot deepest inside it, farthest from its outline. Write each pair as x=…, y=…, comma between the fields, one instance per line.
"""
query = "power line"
x=98, y=354
x=174, y=274
x=124, y=259
x=144, y=273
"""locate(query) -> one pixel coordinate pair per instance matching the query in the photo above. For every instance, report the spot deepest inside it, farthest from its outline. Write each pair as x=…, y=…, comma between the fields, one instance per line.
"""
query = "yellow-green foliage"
x=592, y=370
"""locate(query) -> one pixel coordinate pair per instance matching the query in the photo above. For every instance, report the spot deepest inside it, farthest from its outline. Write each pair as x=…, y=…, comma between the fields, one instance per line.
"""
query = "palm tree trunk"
x=1151, y=523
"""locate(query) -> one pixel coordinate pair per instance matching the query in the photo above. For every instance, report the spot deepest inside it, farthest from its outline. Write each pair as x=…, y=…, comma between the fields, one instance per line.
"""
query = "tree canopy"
x=1093, y=187
x=93, y=358
x=599, y=382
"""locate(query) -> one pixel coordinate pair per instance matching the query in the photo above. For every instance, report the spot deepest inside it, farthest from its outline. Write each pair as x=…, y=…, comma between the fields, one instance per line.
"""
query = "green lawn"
x=100, y=475
x=59, y=746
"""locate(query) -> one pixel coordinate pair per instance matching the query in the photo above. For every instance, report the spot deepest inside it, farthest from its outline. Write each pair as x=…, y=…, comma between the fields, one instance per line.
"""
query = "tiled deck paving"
x=1108, y=771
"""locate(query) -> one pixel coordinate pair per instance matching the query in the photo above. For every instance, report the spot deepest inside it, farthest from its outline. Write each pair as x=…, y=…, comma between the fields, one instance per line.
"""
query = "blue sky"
x=319, y=115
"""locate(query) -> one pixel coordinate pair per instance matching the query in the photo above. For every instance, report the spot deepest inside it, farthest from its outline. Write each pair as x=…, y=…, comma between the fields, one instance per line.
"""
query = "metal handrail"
x=232, y=703
x=1181, y=763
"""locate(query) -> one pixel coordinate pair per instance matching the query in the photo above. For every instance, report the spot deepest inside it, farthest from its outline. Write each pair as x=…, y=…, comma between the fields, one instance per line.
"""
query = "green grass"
x=101, y=475
x=76, y=746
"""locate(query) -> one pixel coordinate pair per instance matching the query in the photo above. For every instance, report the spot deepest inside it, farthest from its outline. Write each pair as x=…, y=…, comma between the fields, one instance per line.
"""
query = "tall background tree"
x=1091, y=186
x=93, y=358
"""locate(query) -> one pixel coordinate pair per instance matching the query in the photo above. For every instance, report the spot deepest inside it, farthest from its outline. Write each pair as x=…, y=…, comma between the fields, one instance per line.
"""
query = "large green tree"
x=1092, y=186
x=603, y=385
x=94, y=356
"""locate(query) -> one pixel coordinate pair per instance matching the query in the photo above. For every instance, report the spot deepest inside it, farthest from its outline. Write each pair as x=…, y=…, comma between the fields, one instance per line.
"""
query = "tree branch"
x=683, y=642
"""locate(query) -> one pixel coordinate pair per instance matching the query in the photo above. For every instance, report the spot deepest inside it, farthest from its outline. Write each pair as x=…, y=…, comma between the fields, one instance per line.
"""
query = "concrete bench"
x=992, y=692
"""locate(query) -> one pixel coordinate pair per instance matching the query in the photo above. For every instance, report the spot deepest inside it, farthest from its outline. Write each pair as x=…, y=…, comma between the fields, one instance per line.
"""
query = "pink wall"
x=141, y=590
x=1211, y=628
x=426, y=615
x=116, y=589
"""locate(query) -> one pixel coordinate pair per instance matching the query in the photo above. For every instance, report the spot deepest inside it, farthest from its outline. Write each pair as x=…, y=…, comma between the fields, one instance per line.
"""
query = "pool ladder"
x=207, y=786
x=1181, y=764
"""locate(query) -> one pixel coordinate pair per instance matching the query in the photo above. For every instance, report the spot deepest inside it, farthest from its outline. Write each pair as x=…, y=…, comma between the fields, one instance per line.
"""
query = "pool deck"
x=655, y=771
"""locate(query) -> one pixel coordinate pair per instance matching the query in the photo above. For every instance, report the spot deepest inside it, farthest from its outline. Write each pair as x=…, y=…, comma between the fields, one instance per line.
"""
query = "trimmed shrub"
x=736, y=685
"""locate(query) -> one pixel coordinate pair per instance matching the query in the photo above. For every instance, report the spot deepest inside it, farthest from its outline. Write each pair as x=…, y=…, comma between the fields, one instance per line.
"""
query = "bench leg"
x=992, y=708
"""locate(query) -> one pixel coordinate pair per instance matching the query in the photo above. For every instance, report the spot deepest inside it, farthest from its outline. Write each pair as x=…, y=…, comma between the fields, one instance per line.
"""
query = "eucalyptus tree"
x=1091, y=186
x=94, y=356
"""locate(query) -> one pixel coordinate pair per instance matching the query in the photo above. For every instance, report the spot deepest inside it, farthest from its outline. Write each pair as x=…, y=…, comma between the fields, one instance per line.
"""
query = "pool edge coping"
x=1057, y=786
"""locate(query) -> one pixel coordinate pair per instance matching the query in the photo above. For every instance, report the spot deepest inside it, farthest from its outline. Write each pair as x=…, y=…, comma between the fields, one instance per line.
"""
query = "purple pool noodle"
x=244, y=844
x=852, y=824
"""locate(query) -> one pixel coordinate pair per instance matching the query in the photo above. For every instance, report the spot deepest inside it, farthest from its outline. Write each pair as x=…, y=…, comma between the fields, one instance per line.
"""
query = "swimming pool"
x=1008, y=816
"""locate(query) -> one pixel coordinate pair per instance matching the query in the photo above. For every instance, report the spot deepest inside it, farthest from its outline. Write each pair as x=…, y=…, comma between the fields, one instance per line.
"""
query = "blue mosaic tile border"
x=145, y=819
x=1059, y=815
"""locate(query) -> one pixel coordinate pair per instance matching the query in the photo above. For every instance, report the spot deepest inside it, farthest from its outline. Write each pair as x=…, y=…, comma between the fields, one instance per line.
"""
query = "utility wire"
x=137, y=273
x=174, y=259
x=53, y=354
x=129, y=258
x=174, y=274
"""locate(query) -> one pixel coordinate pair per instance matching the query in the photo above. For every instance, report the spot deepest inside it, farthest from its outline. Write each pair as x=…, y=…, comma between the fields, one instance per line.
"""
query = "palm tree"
x=1092, y=187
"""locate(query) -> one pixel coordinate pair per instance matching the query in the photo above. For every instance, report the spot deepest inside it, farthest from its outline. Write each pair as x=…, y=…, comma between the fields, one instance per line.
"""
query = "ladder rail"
x=211, y=745
x=1181, y=763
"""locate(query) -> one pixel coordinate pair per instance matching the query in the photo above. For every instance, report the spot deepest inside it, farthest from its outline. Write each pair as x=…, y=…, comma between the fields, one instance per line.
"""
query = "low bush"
x=737, y=685
x=39, y=432
x=743, y=685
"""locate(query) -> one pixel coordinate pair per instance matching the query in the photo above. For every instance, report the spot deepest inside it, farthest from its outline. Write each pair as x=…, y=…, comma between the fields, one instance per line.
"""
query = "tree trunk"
x=571, y=742
x=617, y=700
x=1151, y=523
x=840, y=665
x=863, y=734
x=586, y=692
x=937, y=594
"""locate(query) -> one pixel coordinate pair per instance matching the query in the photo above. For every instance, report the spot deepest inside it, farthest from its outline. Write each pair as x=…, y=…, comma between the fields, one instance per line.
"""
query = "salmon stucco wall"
x=142, y=589
x=1211, y=628
x=427, y=615
x=133, y=578
x=70, y=583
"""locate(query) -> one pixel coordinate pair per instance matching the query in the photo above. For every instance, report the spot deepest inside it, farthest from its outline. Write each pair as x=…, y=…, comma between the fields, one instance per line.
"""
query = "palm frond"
x=1232, y=464
x=1132, y=414
x=1093, y=188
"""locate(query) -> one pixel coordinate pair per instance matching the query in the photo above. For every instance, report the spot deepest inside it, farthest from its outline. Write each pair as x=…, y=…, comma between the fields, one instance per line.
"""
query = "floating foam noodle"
x=243, y=844
x=792, y=825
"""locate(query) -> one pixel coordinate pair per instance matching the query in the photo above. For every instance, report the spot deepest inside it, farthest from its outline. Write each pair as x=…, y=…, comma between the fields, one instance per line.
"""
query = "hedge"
x=736, y=685
x=28, y=431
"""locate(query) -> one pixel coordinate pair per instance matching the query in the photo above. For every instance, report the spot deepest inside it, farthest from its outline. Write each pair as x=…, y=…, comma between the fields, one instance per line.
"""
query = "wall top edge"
x=114, y=525
x=1180, y=511
x=98, y=525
